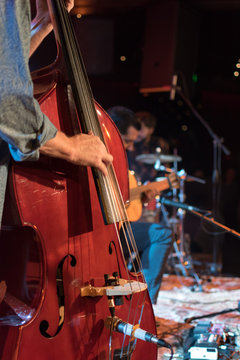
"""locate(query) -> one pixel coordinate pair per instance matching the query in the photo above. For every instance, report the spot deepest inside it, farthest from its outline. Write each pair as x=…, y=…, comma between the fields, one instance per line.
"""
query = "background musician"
x=146, y=143
x=153, y=240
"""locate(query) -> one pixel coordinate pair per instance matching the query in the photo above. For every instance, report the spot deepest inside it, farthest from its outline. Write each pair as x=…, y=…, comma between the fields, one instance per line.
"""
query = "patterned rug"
x=179, y=300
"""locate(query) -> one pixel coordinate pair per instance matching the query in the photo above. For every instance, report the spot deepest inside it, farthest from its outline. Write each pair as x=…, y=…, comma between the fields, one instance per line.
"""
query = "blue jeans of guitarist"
x=154, y=243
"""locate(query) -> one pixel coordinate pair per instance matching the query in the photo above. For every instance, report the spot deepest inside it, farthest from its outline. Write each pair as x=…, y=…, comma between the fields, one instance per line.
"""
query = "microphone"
x=134, y=331
x=180, y=205
x=173, y=87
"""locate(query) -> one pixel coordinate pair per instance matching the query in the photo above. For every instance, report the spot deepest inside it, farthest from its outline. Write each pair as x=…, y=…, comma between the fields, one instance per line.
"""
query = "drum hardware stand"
x=181, y=246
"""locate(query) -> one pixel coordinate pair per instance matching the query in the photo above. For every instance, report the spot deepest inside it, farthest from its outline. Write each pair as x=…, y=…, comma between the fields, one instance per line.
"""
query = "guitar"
x=134, y=207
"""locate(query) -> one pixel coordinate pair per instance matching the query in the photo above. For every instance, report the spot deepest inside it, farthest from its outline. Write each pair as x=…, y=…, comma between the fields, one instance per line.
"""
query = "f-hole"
x=44, y=325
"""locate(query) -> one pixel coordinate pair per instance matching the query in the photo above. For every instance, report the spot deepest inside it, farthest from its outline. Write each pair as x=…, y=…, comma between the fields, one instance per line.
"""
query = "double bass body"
x=55, y=244
x=65, y=246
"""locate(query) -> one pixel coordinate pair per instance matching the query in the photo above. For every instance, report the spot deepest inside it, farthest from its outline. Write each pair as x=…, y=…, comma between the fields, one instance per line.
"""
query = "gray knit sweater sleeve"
x=22, y=124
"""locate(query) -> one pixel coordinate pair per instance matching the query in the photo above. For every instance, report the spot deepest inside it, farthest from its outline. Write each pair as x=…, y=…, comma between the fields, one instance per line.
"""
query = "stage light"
x=195, y=78
x=123, y=58
x=236, y=73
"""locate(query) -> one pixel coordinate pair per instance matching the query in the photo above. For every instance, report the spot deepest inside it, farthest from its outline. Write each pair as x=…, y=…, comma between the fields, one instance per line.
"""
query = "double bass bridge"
x=123, y=288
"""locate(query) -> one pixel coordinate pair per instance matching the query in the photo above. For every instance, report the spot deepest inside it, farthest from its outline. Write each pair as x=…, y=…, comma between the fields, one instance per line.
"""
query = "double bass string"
x=86, y=110
x=117, y=205
x=89, y=114
x=126, y=227
x=127, y=235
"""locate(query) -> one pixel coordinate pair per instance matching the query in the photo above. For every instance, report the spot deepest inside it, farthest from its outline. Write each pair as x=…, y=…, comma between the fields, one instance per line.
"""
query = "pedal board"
x=209, y=341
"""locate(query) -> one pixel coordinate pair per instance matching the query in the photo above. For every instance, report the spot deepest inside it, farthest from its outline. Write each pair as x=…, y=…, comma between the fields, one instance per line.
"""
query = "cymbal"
x=152, y=158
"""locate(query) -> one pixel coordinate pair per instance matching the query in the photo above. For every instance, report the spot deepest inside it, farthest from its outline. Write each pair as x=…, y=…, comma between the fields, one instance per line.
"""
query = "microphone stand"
x=198, y=212
x=216, y=174
x=214, y=222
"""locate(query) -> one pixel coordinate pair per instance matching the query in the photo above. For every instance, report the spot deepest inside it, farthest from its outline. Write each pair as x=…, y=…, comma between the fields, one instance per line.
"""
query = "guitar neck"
x=161, y=185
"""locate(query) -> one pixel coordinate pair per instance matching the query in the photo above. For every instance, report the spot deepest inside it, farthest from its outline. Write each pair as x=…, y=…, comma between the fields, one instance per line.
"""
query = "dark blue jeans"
x=154, y=244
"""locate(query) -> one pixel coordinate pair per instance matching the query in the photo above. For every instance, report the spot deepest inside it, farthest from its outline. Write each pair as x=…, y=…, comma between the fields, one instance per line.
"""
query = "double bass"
x=69, y=293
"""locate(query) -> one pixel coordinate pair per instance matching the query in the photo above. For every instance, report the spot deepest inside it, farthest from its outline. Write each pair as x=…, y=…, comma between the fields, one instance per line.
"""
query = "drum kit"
x=179, y=260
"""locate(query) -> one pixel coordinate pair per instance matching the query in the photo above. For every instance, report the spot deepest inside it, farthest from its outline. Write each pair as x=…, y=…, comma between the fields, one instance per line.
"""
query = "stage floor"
x=179, y=299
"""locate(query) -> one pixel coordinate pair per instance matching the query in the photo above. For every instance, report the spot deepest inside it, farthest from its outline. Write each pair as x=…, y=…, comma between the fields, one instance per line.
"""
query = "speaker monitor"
x=170, y=45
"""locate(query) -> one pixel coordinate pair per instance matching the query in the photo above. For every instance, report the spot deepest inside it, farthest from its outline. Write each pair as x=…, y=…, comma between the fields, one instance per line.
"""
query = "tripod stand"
x=180, y=259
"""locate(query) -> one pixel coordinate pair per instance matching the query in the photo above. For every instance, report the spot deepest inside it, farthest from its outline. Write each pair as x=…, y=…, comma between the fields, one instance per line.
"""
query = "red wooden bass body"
x=55, y=243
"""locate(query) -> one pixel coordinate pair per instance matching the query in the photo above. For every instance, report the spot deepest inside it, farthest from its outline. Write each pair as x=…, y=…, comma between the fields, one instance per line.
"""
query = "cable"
x=171, y=350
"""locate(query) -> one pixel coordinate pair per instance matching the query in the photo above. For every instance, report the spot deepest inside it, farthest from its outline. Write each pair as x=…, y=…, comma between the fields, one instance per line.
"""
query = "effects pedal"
x=209, y=341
